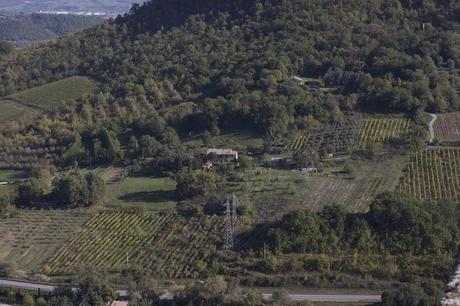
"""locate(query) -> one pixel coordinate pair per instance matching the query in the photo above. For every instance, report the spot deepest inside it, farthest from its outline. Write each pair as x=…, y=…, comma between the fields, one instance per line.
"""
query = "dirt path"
x=432, y=136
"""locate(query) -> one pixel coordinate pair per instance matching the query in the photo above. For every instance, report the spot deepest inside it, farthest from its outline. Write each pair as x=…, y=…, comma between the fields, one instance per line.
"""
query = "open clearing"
x=447, y=127
x=49, y=97
x=30, y=238
x=142, y=192
x=370, y=179
x=236, y=139
x=433, y=175
x=274, y=192
x=166, y=244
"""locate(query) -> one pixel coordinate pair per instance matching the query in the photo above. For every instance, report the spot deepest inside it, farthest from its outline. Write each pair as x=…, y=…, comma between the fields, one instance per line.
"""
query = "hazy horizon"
x=106, y=7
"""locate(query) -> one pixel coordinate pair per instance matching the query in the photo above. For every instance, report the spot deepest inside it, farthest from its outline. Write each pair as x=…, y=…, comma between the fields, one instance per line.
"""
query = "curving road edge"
x=433, y=120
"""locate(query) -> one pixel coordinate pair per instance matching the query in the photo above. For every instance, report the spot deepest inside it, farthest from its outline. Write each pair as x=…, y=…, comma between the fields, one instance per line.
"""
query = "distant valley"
x=27, y=29
x=99, y=7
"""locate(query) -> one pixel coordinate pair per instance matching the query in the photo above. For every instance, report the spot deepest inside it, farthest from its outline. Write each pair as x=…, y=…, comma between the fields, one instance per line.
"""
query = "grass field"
x=142, y=192
x=274, y=192
x=14, y=111
x=433, y=174
x=381, y=130
x=235, y=139
x=163, y=243
x=447, y=127
x=370, y=179
x=32, y=237
x=8, y=175
x=53, y=96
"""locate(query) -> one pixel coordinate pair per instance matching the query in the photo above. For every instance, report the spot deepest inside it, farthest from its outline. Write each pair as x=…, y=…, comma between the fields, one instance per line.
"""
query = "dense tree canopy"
x=395, y=224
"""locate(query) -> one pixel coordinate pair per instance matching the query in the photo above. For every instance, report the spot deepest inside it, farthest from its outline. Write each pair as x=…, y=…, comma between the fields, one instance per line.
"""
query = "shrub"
x=40, y=301
x=269, y=264
x=6, y=269
x=28, y=299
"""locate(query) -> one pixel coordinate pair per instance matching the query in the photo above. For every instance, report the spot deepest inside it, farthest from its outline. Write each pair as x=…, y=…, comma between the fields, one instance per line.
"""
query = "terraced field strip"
x=373, y=188
x=381, y=129
x=433, y=175
x=298, y=143
x=107, y=239
x=447, y=126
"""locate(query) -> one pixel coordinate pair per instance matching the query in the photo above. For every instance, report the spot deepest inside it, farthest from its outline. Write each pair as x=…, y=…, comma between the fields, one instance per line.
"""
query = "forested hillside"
x=173, y=68
x=297, y=119
x=25, y=29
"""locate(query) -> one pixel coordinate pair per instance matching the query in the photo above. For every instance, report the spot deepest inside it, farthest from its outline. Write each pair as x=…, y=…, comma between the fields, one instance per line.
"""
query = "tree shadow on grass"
x=150, y=196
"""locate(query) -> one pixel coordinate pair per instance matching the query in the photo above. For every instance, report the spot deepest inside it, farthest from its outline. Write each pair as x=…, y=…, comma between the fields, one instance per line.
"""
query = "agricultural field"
x=53, y=96
x=142, y=192
x=106, y=241
x=337, y=137
x=351, y=133
x=381, y=129
x=433, y=175
x=163, y=243
x=31, y=238
x=447, y=127
x=185, y=249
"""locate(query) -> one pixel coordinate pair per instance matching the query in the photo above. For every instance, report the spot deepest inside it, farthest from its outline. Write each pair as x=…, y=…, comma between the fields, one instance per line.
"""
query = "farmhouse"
x=297, y=80
x=221, y=156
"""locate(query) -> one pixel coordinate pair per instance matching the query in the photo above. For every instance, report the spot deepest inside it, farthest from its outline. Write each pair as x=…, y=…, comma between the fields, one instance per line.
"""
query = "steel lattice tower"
x=230, y=222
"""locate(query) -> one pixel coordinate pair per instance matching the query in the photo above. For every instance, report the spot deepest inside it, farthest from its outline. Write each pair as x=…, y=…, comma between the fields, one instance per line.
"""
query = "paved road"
x=315, y=297
x=330, y=297
x=26, y=285
x=433, y=120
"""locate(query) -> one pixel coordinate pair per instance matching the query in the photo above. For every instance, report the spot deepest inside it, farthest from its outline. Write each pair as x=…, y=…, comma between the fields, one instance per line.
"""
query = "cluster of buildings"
x=220, y=157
